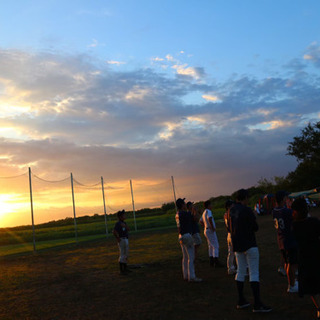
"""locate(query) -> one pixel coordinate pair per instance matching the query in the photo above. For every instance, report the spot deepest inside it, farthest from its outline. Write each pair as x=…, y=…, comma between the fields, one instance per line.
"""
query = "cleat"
x=196, y=280
x=261, y=308
x=243, y=305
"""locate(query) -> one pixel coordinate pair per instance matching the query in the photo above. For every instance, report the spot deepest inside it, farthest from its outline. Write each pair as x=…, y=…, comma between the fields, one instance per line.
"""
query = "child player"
x=121, y=232
x=282, y=217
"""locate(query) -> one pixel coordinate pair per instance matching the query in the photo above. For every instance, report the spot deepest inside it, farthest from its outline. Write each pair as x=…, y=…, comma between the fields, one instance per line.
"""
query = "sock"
x=240, y=286
x=255, y=287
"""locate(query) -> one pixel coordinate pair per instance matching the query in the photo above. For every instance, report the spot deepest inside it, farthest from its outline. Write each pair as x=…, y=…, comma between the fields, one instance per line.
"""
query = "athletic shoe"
x=243, y=304
x=261, y=308
x=282, y=272
x=196, y=280
x=293, y=289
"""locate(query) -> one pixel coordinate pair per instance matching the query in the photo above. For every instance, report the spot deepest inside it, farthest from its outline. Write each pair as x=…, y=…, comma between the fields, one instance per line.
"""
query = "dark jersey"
x=184, y=222
x=282, y=218
x=122, y=230
x=194, y=225
x=307, y=233
x=242, y=226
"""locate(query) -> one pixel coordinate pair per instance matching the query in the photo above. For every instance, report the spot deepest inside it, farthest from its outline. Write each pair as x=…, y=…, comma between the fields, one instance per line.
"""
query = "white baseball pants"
x=213, y=244
x=187, y=261
x=124, y=250
x=250, y=259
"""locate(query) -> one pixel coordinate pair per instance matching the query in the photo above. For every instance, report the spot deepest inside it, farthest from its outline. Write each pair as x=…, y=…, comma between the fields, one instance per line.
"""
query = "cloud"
x=193, y=72
x=210, y=97
x=73, y=113
x=313, y=54
x=113, y=62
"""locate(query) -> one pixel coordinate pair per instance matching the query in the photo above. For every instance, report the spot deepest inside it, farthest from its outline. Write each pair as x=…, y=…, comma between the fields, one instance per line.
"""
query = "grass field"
x=82, y=282
x=20, y=240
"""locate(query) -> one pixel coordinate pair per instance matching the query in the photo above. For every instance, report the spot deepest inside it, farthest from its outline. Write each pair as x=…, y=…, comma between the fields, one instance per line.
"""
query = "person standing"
x=242, y=226
x=184, y=224
x=121, y=233
x=210, y=233
x=306, y=230
x=230, y=258
x=195, y=227
x=282, y=217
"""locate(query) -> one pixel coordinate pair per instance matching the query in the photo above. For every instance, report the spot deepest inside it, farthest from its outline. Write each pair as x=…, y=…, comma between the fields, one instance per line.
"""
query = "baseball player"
x=210, y=233
x=243, y=225
x=282, y=217
x=231, y=263
x=184, y=224
x=121, y=232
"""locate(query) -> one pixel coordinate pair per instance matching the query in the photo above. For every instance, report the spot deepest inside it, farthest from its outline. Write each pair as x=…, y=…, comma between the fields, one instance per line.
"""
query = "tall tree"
x=306, y=148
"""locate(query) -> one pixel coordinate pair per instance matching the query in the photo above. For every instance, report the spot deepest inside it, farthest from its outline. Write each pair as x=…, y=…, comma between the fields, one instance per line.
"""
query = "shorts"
x=186, y=239
x=197, y=239
x=290, y=255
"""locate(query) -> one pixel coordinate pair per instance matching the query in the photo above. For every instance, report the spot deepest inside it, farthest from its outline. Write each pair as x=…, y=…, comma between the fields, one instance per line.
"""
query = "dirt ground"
x=83, y=282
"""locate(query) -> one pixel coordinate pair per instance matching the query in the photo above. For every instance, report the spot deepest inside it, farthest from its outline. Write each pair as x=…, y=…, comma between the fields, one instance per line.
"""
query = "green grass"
x=21, y=240
x=83, y=282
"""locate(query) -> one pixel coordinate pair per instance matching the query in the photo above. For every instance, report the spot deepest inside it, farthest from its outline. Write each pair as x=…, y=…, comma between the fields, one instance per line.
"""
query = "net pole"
x=134, y=212
x=32, y=218
x=74, y=210
x=174, y=193
x=104, y=205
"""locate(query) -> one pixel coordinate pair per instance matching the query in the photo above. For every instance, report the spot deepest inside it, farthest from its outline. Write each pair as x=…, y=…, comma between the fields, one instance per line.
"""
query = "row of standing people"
x=241, y=224
x=298, y=239
x=298, y=236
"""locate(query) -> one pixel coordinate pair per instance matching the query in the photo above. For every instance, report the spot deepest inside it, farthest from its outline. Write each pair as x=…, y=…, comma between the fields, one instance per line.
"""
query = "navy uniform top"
x=194, y=224
x=184, y=222
x=282, y=218
x=242, y=226
x=122, y=231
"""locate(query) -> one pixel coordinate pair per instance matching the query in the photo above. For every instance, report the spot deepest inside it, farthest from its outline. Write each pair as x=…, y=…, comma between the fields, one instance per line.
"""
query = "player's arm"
x=116, y=234
x=211, y=224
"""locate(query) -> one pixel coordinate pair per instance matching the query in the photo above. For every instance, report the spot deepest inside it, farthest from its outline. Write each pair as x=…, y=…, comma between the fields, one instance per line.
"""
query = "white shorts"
x=197, y=239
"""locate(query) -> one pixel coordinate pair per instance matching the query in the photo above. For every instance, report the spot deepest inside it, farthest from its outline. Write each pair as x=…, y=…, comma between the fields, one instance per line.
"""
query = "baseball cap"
x=180, y=202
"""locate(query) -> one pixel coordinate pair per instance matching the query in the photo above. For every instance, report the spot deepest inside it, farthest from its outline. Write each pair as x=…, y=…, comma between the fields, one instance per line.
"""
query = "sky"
x=210, y=92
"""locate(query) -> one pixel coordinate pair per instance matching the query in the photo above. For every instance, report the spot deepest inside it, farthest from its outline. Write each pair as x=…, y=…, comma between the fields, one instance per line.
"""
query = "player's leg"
x=254, y=278
x=184, y=261
x=217, y=263
x=240, y=277
x=191, y=272
x=292, y=260
x=208, y=235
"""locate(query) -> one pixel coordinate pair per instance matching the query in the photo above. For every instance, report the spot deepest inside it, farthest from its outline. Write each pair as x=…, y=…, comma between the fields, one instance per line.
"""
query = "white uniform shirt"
x=205, y=218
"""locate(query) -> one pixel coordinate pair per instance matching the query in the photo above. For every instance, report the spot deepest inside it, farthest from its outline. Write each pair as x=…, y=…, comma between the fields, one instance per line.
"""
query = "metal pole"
x=31, y=202
x=174, y=193
x=104, y=205
x=134, y=212
x=74, y=210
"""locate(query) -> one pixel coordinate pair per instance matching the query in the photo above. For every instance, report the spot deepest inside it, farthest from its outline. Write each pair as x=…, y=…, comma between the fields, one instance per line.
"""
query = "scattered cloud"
x=69, y=112
x=117, y=63
x=313, y=54
x=210, y=97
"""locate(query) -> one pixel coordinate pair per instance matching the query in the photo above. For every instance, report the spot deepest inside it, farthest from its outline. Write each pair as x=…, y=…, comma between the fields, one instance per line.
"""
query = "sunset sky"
x=209, y=92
